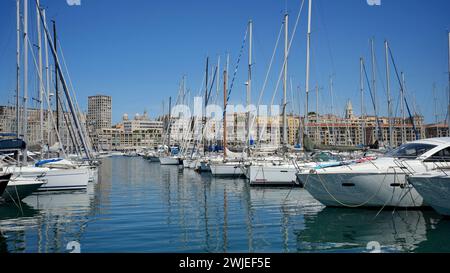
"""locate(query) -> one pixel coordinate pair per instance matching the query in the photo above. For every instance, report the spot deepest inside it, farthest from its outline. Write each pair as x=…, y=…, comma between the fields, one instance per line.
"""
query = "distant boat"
x=169, y=160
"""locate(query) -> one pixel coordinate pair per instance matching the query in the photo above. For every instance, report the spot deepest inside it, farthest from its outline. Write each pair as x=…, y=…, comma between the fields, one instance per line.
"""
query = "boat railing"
x=404, y=166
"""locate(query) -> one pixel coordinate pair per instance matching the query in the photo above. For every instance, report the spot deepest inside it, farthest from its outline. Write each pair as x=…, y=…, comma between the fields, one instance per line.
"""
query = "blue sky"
x=138, y=50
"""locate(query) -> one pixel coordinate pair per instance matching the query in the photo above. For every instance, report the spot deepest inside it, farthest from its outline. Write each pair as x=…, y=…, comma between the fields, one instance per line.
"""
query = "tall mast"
x=41, y=87
x=388, y=90
x=47, y=81
x=206, y=105
x=249, y=81
x=332, y=110
x=79, y=129
x=317, y=114
x=169, y=124
x=225, y=77
x=18, y=71
x=286, y=33
x=25, y=79
x=374, y=87
x=448, y=122
x=218, y=77
x=402, y=106
x=361, y=79
x=308, y=44
x=55, y=39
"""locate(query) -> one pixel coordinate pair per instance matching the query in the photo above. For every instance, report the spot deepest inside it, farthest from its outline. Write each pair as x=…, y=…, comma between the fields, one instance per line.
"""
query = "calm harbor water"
x=138, y=206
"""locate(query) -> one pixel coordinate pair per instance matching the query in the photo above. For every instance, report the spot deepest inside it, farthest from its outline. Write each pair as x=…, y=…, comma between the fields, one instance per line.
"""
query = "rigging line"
x=380, y=135
x=48, y=101
x=71, y=87
x=212, y=85
x=404, y=96
x=322, y=22
x=270, y=65
x=288, y=52
x=237, y=65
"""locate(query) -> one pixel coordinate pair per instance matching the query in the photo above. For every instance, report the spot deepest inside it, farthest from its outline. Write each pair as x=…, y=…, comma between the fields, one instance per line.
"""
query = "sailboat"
x=56, y=177
x=233, y=164
x=169, y=159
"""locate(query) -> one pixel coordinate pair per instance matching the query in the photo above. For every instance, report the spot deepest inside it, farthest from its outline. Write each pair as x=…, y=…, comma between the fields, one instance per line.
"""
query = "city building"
x=99, y=112
x=135, y=134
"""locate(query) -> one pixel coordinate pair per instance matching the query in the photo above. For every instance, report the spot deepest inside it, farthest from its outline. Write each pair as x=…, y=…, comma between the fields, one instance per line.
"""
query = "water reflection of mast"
x=285, y=227
x=205, y=205
x=247, y=198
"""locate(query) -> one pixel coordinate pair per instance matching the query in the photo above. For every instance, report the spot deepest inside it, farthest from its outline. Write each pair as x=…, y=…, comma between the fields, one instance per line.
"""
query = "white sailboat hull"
x=227, y=170
x=57, y=179
x=269, y=175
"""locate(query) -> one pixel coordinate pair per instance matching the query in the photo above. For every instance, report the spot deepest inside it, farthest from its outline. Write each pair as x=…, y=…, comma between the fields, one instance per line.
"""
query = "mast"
x=206, y=105
x=388, y=90
x=18, y=71
x=308, y=44
x=168, y=125
x=25, y=80
x=448, y=122
x=249, y=82
x=286, y=33
x=374, y=87
x=55, y=39
x=47, y=82
x=317, y=114
x=402, y=106
x=332, y=112
x=66, y=91
x=361, y=79
x=41, y=87
x=225, y=78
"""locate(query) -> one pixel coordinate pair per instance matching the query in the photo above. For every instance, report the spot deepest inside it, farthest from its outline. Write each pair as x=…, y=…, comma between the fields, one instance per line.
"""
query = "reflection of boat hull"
x=340, y=230
x=93, y=174
x=152, y=158
x=361, y=189
x=269, y=175
x=204, y=167
x=435, y=190
x=19, y=189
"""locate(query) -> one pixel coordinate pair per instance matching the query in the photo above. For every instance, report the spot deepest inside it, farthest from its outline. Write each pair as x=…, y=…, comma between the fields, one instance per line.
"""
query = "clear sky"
x=138, y=50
